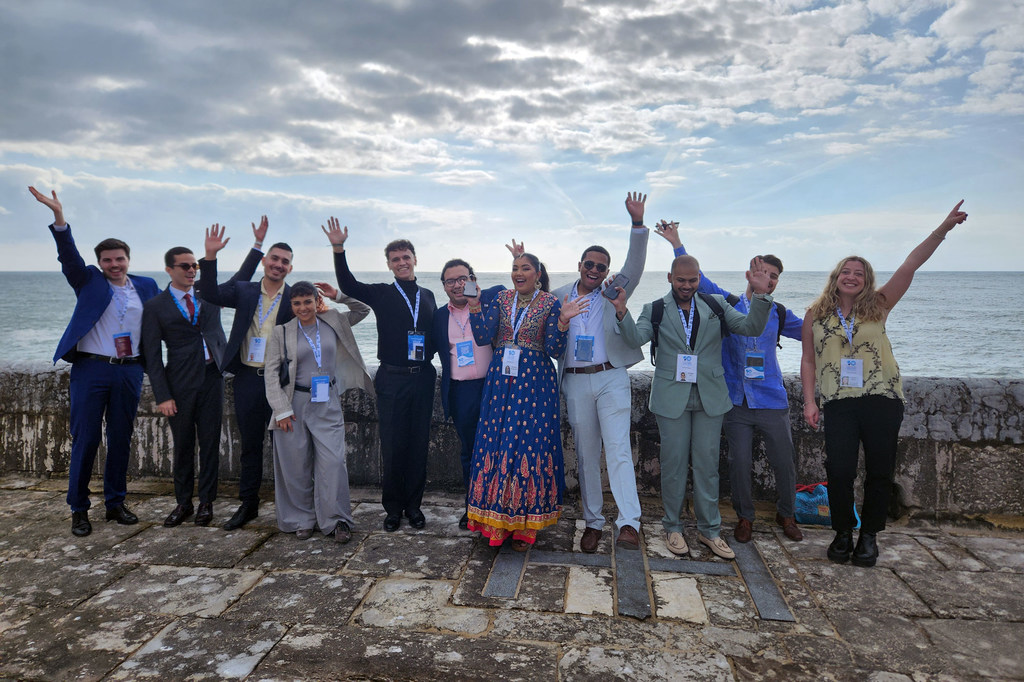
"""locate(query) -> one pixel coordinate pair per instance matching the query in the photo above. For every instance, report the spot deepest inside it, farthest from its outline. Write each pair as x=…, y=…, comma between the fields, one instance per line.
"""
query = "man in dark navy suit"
x=189, y=389
x=463, y=363
x=258, y=307
x=102, y=344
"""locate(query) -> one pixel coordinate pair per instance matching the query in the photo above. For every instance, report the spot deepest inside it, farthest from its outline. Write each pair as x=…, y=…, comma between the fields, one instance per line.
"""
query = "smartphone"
x=471, y=289
x=610, y=292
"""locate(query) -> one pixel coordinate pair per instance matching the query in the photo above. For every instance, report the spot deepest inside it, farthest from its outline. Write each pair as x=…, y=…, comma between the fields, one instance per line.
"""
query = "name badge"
x=123, y=344
x=206, y=351
x=851, y=373
x=417, y=346
x=510, y=362
x=257, y=349
x=686, y=368
x=320, y=389
x=464, y=354
x=584, y=351
x=754, y=366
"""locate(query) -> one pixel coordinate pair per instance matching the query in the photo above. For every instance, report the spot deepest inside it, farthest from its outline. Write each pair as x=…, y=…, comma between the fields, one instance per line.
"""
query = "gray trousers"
x=310, y=472
x=740, y=423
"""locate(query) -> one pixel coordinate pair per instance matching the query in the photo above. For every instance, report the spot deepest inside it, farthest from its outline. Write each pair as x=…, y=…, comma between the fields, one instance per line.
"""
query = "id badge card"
x=257, y=349
x=123, y=344
x=753, y=368
x=464, y=353
x=320, y=389
x=584, y=351
x=851, y=373
x=510, y=362
x=686, y=368
x=417, y=344
x=206, y=352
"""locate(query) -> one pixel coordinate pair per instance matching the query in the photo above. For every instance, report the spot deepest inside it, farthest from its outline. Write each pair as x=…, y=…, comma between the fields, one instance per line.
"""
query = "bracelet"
x=257, y=245
x=638, y=224
x=559, y=325
x=940, y=237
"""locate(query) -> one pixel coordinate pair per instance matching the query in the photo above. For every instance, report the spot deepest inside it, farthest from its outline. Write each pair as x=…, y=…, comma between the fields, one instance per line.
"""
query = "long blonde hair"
x=868, y=306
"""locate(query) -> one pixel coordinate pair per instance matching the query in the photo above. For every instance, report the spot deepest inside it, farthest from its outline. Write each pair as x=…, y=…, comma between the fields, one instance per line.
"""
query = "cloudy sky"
x=809, y=129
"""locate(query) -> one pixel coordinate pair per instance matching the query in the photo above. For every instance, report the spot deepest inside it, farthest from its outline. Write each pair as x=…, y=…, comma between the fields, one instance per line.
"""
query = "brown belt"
x=589, y=369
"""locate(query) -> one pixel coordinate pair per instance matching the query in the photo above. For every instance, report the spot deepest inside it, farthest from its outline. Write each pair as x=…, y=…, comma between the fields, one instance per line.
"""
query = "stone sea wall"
x=961, y=450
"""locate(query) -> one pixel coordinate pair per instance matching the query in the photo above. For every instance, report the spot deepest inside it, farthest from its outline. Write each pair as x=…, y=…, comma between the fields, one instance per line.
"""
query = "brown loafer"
x=789, y=527
x=743, y=530
x=588, y=543
x=628, y=538
x=520, y=545
x=342, y=533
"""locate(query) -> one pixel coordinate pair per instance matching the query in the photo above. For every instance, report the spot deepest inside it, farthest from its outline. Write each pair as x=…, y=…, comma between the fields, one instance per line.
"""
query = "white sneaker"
x=718, y=546
x=677, y=544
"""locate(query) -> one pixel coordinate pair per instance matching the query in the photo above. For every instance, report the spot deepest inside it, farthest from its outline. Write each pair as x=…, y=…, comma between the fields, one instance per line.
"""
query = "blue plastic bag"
x=812, y=505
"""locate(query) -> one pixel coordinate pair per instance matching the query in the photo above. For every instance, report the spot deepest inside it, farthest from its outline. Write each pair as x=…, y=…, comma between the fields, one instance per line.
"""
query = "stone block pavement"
x=148, y=602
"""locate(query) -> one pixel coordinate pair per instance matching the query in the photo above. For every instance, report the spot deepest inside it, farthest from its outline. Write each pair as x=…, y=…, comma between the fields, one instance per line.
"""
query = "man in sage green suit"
x=689, y=405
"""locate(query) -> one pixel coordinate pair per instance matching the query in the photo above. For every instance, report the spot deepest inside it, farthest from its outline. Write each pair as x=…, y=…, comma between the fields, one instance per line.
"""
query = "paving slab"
x=413, y=556
x=874, y=590
x=202, y=649
x=590, y=591
x=308, y=652
x=736, y=643
x=980, y=647
x=319, y=553
x=761, y=586
x=967, y=594
x=175, y=590
x=542, y=588
x=506, y=573
x=187, y=545
x=53, y=540
x=560, y=537
x=478, y=569
x=951, y=554
x=419, y=604
x=598, y=663
x=880, y=641
x=35, y=582
x=1001, y=554
x=676, y=597
x=290, y=597
x=727, y=601
x=63, y=644
x=830, y=652
x=30, y=503
x=528, y=626
x=784, y=570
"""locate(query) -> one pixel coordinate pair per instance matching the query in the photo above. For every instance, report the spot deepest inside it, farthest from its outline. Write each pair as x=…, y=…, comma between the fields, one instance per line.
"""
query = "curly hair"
x=869, y=306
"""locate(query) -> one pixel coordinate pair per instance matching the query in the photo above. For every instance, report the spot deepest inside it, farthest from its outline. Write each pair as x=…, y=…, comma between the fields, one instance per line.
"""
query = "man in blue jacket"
x=102, y=344
x=759, y=400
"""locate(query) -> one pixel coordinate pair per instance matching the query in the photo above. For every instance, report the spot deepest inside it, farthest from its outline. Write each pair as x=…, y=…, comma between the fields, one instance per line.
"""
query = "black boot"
x=866, y=553
x=842, y=545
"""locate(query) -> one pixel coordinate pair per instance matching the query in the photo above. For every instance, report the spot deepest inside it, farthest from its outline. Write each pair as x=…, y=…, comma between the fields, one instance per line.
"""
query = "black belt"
x=396, y=369
x=589, y=369
x=130, y=360
x=258, y=370
x=307, y=389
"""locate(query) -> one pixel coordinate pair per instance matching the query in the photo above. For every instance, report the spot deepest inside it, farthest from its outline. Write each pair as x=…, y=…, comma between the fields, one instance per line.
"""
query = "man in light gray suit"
x=594, y=381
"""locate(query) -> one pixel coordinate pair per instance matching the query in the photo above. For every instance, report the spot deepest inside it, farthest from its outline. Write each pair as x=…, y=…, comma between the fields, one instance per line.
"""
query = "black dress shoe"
x=841, y=547
x=205, y=514
x=179, y=514
x=80, y=525
x=416, y=519
x=392, y=522
x=464, y=522
x=246, y=512
x=866, y=553
x=122, y=515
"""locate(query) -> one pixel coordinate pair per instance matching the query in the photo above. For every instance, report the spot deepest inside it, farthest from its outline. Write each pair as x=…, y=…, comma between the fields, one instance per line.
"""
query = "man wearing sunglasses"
x=189, y=389
x=595, y=384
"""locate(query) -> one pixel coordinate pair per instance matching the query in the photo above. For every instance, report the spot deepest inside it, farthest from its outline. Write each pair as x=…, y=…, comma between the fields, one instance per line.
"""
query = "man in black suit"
x=189, y=389
x=258, y=307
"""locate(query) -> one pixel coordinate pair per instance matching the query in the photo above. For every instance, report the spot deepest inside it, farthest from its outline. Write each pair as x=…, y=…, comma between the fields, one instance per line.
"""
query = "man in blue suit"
x=102, y=344
x=463, y=363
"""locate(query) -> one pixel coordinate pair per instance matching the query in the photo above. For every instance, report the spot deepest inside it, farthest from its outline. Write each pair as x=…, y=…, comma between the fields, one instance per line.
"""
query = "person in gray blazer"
x=689, y=396
x=593, y=378
x=308, y=425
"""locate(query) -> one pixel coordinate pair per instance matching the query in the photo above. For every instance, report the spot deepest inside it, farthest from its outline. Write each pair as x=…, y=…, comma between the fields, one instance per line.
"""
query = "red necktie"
x=191, y=307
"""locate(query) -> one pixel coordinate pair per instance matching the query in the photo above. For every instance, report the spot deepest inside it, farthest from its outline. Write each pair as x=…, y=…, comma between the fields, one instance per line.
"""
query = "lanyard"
x=263, y=318
x=415, y=313
x=848, y=328
x=687, y=323
x=517, y=323
x=195, y=318
x=461, y=325
x=120, y=295
x=316, y=347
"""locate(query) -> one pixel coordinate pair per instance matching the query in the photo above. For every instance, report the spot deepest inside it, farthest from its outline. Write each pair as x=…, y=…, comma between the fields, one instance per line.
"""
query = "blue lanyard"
x=517, y=323
x=315, y=348
x=687, y=323
x=263, y=318
x=195, y=318
x=592, y=297
x=120, y=295
x=847, y=328
x=415, y=313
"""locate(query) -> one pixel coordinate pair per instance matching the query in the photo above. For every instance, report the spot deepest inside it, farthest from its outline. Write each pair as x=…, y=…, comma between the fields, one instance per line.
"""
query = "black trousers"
x=464, y=405
x=253, y=414
x=873, y=421
x=199, y=416
x=405, y=403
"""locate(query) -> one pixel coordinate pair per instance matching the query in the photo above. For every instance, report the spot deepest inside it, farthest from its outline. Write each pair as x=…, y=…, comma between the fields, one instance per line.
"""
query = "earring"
x=536, y=285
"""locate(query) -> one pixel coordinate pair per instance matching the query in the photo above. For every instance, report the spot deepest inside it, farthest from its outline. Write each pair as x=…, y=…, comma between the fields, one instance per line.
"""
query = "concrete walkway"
x=147, y=602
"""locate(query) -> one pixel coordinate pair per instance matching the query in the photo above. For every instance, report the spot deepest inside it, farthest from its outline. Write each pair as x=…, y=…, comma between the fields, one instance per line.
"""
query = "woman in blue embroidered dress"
x=517, y=476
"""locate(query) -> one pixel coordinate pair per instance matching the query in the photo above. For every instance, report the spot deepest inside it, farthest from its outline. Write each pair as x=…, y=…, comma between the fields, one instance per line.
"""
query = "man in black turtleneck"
x=405, y=379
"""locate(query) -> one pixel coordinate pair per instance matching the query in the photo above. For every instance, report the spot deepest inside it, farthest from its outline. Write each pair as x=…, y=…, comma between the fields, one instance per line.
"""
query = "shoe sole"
x=838, y=558
x=863, y=563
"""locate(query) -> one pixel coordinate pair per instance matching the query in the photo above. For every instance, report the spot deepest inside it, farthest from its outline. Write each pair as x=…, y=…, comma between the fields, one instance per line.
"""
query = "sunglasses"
x=591, y=265
x=186, y=266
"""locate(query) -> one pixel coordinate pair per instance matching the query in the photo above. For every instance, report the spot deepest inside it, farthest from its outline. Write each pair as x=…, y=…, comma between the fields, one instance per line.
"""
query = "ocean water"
x=949, y=324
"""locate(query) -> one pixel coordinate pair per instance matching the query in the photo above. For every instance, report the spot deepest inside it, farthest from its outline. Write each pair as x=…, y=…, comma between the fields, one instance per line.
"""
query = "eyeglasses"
x=591, y=265
x=186, y=266
x=457, y=280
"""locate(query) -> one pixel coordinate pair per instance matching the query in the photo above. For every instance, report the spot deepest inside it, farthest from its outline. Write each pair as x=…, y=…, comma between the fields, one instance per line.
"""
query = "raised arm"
x=893, y=290
x=226, y=294
x=670, y=233
x=808, y=373
x=636, y=257
x=337, y=236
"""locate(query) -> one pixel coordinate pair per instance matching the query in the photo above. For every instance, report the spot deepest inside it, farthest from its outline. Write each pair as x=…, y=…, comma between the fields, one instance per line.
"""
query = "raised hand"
x=52, y=203
x=669, y=232
x=757, y=275
x=571, y=309
x=215, y=240
x=955, y=217
x=516, y=250
x=635, y=203
x=260, y=232
x=335, y=234
x=327, y=290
